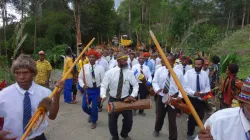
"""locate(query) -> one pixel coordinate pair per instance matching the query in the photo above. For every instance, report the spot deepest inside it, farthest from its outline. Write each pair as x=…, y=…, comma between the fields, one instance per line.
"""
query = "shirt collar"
x=245, y=122
x=30, y=90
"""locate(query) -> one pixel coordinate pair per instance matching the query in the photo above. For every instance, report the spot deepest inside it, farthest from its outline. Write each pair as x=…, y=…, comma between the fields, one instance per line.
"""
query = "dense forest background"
x=49, y=25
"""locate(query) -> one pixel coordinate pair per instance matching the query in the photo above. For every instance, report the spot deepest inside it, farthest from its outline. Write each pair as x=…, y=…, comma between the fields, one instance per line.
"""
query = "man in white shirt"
x=19, y=101
x=94, y=74
x=118, y=80
x=196, y=86
x=102, y=61
x=132, y=60
x=205, y=66
x=139, y=69
x=231, y=123
x=184, y=67
x=113, y=62
x=155, y=60
x=163, y=83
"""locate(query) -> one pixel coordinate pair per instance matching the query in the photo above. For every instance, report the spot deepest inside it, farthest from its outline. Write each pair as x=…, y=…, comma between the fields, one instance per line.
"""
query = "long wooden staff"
x=177, y=82
x=41, y=111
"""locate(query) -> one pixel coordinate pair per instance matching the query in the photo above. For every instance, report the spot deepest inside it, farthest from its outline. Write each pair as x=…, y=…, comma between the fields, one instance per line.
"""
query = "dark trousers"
x=142, y=93
x=41, y=137
x=161, y=110
x=199, y=106
x=127, y=121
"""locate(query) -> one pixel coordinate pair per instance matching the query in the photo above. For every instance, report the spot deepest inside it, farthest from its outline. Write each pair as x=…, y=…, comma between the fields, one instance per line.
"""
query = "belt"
x=113, y=99
x=93, y=87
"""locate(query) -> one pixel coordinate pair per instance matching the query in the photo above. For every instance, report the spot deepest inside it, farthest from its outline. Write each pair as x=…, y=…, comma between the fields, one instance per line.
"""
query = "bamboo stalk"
x=177, y=82
x=39, y=112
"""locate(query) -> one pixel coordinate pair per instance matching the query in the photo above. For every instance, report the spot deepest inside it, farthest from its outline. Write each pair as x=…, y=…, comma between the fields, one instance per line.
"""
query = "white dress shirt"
x=228, y=124
x=108, y=58
x=160, y=79
x=180, y=67
x=11, y=108
x=190, y=82
x=146, y=71
x=99, y=74
x=111, y=80
x=156, y=62
x=112, y=63
x=104, y=63
x=157, y=67
x=134, y=62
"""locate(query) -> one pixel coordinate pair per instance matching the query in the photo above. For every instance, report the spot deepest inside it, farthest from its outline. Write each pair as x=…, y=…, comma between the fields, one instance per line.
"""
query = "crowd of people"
x=103, y=73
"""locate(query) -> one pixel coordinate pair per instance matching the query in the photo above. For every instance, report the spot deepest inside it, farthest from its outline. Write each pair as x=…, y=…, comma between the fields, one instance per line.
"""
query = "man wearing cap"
x=231, y=123
x=142, y=69
x=94, y=74
x=149, y=63
x=43, y=70
x=184, y=67
x=20, y=100
x=118, y=80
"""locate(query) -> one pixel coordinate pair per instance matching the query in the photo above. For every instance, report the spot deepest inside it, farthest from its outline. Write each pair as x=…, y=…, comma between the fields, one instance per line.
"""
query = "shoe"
x=127, y=138
x=93, y=125
x=99, y=109
x=189, y=138
x=156, y=133
x=89, y=120
x=142, y=114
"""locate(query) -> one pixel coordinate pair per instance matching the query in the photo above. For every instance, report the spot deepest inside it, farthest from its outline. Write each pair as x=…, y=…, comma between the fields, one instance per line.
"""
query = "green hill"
x=238, y=43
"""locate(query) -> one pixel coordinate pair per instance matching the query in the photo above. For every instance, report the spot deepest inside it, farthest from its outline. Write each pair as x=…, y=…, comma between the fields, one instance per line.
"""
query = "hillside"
x=239, y=43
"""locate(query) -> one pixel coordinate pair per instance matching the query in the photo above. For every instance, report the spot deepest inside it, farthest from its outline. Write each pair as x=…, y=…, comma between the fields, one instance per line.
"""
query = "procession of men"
x=126, y=75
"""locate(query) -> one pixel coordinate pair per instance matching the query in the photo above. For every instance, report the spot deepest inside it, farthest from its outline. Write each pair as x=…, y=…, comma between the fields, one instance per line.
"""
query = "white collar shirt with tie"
x=111, y=80
x=160, y=78
x=228, y=124
x=11, y=108
x=132, y=63
x=180, y=67
x=145, y=69
x=103, y=62
x=190, y=82
x=99, y=74
x=112, y=63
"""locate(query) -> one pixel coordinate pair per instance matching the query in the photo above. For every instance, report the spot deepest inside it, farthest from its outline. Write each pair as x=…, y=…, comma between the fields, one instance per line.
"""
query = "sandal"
x=73, y=102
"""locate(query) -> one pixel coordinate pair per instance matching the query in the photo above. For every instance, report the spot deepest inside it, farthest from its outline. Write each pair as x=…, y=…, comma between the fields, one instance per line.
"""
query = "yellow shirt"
x=43, y=69
x=81, y=63
x=67, y=64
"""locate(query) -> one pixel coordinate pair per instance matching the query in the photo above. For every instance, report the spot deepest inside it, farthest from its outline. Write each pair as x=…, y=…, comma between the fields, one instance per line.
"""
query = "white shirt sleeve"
x=104, y=85
x=182, y=81
x=135, y=85
x=155, y=81
x=207, y=85
x=187, y=89
x=80, y=79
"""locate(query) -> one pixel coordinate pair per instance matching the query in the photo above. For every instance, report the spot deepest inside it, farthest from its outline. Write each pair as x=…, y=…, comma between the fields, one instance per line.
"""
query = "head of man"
x=232, y=69
x=24, y=69
x=68, y=51
x=205, y=66
x=122, y=59
x=154, y=56
x=215, y=59
x=184, y=60
x=171, y=59
x=141, y=59
x=92, y=55
x=244, y=98
x=111, y=51
x=115, y=55
x=132, y=56
x=198, y=64
x=105, y=52
x=41, y=55
x=146, y=55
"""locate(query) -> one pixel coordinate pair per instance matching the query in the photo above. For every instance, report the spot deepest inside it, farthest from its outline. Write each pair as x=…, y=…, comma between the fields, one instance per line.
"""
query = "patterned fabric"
x=67, y=64
x=120, y=84
x=26, y=110
x=43, y=68
x=244, y=96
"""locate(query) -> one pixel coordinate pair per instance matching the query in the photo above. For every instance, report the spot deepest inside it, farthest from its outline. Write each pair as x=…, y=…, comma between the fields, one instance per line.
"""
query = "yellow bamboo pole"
x=177, y=82
x=40, y=111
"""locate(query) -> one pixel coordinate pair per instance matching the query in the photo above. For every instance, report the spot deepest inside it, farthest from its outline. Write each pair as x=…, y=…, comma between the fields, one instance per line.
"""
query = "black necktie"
x=198, y=89
x=120, y=84
x=93, y=76
x=141, y=69
x=184, y=71
x=167, y=84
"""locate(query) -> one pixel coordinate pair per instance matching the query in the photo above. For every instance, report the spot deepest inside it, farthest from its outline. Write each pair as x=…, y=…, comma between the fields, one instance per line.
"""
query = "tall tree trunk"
x=244, y=13
x=228, y=22
x=35, y=32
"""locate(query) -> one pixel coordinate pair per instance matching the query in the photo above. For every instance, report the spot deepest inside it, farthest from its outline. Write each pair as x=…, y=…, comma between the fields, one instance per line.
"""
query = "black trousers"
x=161, y=110
x=41, y=137
x=127, y=121
x=142, y=93
x=199, y=106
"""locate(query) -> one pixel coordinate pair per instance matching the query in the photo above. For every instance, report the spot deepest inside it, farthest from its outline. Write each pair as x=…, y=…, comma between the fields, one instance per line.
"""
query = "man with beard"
x=231, y=123
x=163, y=83
x=196, y=86
x=118, y=80
x=94, y=74
x=139, y=69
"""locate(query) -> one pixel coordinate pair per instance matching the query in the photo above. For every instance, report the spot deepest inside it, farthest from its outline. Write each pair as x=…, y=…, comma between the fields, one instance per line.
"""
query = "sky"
x=117, y=3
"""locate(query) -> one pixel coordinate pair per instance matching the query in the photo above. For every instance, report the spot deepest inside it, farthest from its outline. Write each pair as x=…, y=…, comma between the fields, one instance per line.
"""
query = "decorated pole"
x=41, y=111
x=177, y=82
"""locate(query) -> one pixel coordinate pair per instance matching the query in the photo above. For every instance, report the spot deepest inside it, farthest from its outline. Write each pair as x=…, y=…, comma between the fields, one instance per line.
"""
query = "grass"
x=239, y=43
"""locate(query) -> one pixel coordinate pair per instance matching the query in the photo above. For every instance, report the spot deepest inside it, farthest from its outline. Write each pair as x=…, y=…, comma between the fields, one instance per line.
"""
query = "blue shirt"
x=150, y=65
